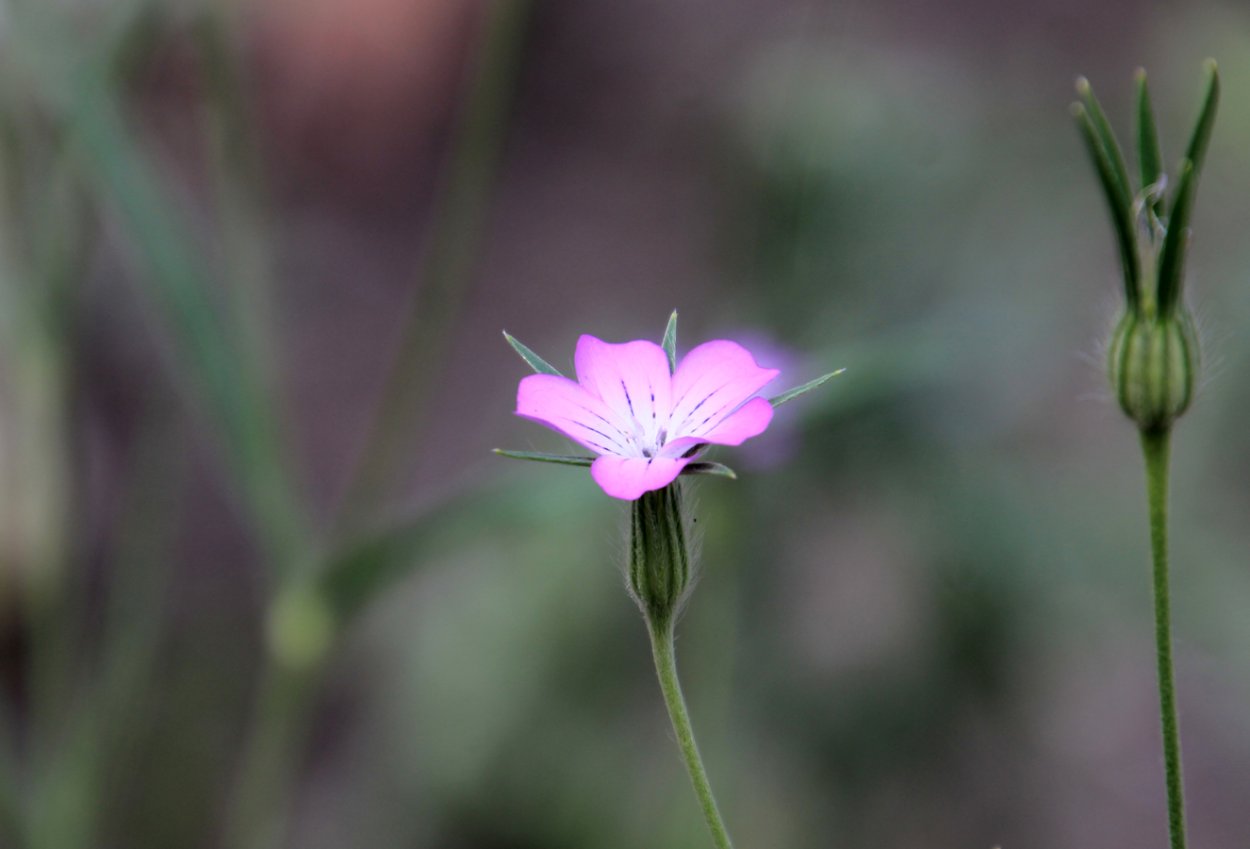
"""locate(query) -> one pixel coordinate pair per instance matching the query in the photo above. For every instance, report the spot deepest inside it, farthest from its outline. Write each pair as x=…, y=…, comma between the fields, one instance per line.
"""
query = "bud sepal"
x=1153, y=365
x=1153, y=356
x=659, y=555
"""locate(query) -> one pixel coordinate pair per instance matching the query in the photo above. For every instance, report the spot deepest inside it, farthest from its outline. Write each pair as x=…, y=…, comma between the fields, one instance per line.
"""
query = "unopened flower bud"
x=1153, y=355
x=1153, y=364
x=300, y=628
x=659, y=557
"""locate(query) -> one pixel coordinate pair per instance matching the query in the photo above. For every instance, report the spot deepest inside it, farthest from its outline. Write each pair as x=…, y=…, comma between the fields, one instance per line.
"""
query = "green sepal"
x=1149, y=154
x=1198, y=142
x=1172, y=256
x=659, y=557
x=703, y=467
x=1153, y=364
x=791, y=394
x=670, y=341
x=1106, y=139
x=537, y=363
x=543, y=457
x=1118, y=202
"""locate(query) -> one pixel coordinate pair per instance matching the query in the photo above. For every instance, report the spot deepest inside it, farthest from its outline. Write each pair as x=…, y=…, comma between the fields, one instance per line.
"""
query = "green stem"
x=1155, y=447
x=447, y=267
x=261, y=797
x=666, y=669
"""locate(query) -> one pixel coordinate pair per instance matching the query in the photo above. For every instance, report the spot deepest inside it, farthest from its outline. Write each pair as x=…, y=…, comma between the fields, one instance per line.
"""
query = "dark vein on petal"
x=696, y=407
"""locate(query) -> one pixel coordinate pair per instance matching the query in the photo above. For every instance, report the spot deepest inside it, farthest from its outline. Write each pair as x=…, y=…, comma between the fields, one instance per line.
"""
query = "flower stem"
x=1155, y=448
x=447, y=266
x=666, y=669
x=262, y=795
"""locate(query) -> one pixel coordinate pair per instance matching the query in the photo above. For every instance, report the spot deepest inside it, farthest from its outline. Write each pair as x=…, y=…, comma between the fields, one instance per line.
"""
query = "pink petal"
x=630, y=477
x=565, y=406
x=751, y=419
x=633, y=379
x=711, y=382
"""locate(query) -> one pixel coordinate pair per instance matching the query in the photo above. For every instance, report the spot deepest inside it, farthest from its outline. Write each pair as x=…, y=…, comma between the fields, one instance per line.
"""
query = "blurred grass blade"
x=366, y=567
x=1149, y=154
x=1197, y=151
x=542, y=457
x=206, y=348
x=791, y=394
x=1118, y=204
x=670, y=341
x=11, y=828
x=1172, y=257
x=243, y=215
x=452, y=252
x=534, y=361
x=704, y=467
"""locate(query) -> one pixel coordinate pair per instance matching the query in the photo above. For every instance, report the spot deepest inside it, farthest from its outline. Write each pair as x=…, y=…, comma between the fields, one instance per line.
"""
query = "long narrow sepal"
x=543, y=457
x=791, y=394
x=670, y=341
x=1106, y=140
x=1172, y=257
x=537, y=363
x=1149, y=154
x=699, y=467
x=1118, y=202
x=1201, y=138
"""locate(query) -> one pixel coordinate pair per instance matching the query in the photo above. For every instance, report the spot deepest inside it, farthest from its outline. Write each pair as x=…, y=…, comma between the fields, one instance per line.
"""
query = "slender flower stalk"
x=666, y=669
x=648, y=417
x=1155, y=448
x=1153, y=355
x=659, y=578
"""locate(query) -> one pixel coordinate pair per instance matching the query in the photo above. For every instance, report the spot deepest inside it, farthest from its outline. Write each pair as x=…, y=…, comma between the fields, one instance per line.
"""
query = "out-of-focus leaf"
x=366, y=567
x=11, y=829
x=206, y=347
x=446, y=269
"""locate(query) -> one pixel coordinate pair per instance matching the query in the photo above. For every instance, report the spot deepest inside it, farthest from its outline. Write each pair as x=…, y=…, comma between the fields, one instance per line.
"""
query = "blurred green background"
x=262, y=583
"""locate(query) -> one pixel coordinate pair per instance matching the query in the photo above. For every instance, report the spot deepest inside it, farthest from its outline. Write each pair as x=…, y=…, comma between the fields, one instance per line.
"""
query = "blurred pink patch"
x=644, y=421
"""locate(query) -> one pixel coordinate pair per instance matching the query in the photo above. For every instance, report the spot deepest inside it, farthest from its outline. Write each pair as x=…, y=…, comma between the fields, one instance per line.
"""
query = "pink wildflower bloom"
x=644, y=421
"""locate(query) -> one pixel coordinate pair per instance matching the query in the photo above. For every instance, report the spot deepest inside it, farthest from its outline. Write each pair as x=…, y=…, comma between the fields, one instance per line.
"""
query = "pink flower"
x=644, y=420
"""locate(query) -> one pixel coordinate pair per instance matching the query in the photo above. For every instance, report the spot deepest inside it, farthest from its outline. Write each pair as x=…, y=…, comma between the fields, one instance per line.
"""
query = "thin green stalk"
x=260, y=802
x=452, y=253
x=1155, y=447
x=666, y=669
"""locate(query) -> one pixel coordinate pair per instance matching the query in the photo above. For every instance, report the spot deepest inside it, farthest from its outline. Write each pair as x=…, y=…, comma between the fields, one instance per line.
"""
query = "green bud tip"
x=300, y=628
